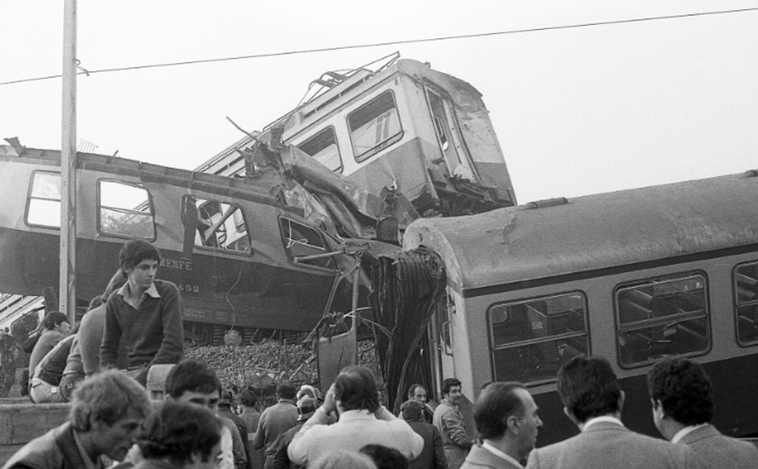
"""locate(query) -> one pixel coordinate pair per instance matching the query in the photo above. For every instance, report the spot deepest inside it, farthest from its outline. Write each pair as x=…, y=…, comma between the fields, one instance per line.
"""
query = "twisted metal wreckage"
x=358, y=267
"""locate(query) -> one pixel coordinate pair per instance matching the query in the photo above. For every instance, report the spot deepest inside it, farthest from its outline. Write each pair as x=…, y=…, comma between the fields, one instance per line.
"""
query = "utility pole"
x=67, y=296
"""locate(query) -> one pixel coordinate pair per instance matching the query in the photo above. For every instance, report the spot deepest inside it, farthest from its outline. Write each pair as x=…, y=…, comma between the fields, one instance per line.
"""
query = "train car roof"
x=520, y=246
x=256, y=190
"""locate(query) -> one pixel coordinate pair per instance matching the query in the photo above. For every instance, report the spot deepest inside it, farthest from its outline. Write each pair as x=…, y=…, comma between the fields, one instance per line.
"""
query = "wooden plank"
x=22, y=423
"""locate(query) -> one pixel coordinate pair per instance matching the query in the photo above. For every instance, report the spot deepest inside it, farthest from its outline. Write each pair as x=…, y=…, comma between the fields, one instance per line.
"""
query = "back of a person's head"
x=355, y=388
x=248, y=398
x=588, y=387
x=107, y=397
x=285, y=390
x=136, y=251
x=448, y=384
x=177, y=430
x=343, y=460
x=497, y=402
x=412, y=410
x=385, y=457
x=193, y=376
x=683, y=389
x=412, y=390
x=53, y=319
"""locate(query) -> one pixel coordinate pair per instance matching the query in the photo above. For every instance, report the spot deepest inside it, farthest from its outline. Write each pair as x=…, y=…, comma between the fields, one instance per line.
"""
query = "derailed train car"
x=631, y=275
x=241, y=250
x=398, y=125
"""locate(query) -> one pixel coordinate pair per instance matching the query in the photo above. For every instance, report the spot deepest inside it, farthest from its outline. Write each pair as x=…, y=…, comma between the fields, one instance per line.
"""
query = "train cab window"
x=374, y=126
x=323, y=148
x=746, y=297
x=220, y=226
x=531, y=339
x=124, y=210
x=44, y=207
x=662, y=316
x=302, y=242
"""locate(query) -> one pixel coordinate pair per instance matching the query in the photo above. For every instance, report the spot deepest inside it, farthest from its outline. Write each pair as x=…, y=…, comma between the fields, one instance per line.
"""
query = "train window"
x=302, y=242
x=374, y=126
x=746, y=297
x=45, y=200
x=532, y=338
x=220, y=226
x=124, y=210
x=323, y=148
x=662, y=316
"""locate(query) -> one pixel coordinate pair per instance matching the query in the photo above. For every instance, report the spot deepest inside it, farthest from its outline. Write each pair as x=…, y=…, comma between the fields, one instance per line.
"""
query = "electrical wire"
x=393, y=43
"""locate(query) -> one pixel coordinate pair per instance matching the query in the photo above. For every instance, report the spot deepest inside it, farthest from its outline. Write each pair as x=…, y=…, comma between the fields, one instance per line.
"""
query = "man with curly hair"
x=449, y=421
x=106, y=414
x=682, y=399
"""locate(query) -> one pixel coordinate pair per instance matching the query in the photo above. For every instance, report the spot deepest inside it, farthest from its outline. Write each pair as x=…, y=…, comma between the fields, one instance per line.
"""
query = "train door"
x=441, y=341
x=448, y=136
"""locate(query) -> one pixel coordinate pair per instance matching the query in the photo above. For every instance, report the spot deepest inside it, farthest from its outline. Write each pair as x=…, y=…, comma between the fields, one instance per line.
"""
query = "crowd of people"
x=102, y=370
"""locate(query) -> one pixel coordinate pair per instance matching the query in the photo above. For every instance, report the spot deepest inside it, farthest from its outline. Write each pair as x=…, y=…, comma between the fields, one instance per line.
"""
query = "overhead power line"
x=393, y=43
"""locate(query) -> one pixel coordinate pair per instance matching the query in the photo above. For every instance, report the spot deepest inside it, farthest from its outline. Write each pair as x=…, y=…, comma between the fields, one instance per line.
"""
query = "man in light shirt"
x=592, y=399
x=682, y=398
x=507, y=420
x=363, y=420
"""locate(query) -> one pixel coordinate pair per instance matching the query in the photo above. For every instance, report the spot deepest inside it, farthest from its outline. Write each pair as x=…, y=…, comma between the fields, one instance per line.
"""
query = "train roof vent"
x=546, y=203
x=751, y=173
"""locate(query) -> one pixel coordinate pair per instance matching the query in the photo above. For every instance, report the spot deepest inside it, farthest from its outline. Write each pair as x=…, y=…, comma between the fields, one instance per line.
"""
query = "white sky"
x=577, y=111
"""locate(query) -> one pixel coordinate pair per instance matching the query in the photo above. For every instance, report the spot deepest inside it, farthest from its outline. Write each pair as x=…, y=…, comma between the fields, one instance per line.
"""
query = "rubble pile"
x=263, y=365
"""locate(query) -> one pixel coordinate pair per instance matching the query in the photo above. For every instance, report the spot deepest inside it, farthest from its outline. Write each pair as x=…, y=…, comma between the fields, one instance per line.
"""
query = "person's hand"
x=330, y=403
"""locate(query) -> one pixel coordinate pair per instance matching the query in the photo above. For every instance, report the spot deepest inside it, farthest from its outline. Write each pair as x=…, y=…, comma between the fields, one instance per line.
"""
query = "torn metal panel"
x=408, y=286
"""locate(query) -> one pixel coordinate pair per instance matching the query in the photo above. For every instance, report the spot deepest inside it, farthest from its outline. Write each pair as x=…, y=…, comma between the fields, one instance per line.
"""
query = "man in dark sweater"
x=146, y=311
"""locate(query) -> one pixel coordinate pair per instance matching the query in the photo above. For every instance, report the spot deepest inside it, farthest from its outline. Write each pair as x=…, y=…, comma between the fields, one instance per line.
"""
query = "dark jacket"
x=281, y=459
x=433, y=455
x=55, y=449
x=225, y=410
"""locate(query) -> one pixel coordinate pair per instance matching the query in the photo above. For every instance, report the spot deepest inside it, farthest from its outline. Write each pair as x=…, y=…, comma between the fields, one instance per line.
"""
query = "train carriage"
x=631, y=275
x=401, y=126
x=241, y=258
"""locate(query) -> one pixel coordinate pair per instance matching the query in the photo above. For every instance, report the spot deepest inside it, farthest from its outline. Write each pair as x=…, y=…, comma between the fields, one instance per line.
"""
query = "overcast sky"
x=577, y=110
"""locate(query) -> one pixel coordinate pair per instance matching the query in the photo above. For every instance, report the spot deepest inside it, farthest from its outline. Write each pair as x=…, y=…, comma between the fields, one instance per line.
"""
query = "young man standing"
x=146, y=311
x=449, y=421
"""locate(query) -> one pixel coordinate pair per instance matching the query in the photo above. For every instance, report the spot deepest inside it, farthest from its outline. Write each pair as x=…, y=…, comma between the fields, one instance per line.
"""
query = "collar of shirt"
x=448, y=403
x=603, y=418
x=489, y=447
x=125, y=291
x=88, y=462
x=356, y=414
x=684, y=431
